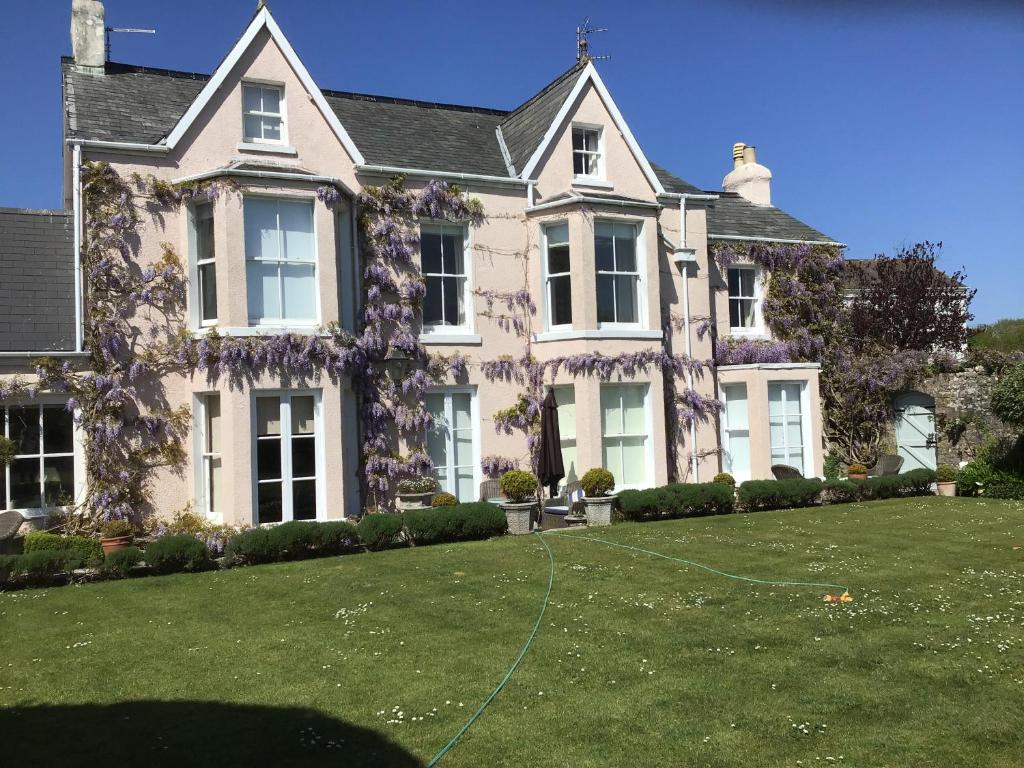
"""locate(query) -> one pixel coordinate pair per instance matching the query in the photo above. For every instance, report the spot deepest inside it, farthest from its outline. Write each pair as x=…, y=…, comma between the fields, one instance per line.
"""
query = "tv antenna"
x=131, y=30
x=583, y=44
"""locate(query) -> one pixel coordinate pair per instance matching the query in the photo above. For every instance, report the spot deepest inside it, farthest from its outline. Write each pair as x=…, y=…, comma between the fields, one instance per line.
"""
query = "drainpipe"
x=76, y=186
x=684, y=257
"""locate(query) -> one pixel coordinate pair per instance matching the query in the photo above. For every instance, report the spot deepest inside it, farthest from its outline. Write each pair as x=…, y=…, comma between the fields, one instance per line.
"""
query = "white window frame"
x=560, y=389
x=807, y=452
x=286, y=323
x=467, y=290
x=204, y=457
x=757, y=328
x=648, y=480
x=474, y=415
x=641, y=272
x=547, y=275
x=284, y=396
x=194, y=262
x=599, y=153
x=268, y=85
x=77, y=454
x=727, y=430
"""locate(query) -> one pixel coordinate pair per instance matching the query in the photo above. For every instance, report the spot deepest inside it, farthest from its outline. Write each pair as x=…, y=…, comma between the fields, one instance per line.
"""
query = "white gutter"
x=593, y=200
x=76, y=195
x=278, y=175
x=689, y=196
x=393, y=170
x=684, y=265
x=119, y=146
x=776, y=240
x=46, y=353
x=529, y=195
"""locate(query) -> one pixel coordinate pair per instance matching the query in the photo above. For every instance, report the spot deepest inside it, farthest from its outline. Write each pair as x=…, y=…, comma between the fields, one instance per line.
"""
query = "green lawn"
x=377, y=659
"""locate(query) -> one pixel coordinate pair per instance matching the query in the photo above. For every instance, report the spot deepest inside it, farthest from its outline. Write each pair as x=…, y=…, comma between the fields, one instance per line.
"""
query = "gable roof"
x=37, y=281
x=734, y=217
x=523, y=128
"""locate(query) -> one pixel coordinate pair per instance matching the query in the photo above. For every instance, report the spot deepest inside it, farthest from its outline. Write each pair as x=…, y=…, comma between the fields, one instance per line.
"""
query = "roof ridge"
x=579, y=66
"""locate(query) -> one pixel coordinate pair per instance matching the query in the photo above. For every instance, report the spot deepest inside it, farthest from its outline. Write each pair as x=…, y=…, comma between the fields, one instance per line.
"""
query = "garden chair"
x=888, y=464
x=490, y=489
x=785, y=472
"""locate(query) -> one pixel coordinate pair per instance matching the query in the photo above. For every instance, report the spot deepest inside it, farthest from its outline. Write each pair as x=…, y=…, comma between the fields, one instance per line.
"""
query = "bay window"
x=211, y=488
x=618, y=276
x=287, y=449
x=280, y=266
x=624, y=433
x=206, y=267
x=743, y=298
x=443, y=263
x=786, y=420
x=451, y=441
x=565, y=397
x=559, y=281
x=42, y=473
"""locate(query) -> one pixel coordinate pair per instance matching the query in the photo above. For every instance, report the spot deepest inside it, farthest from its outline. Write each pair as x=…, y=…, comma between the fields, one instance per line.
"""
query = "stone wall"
x=963, y=421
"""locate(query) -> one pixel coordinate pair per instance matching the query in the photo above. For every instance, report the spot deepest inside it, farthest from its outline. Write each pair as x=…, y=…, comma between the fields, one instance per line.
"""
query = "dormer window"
x=263, y=113
x=587, y=157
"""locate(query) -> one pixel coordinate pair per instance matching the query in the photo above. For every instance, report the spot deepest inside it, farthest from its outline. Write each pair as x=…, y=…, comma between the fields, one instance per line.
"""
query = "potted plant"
x=857, y=472
x=115, y=535
x=724, y=478
x=597, y=483
x=945, y=479
x=416, y=492
x=520, y=489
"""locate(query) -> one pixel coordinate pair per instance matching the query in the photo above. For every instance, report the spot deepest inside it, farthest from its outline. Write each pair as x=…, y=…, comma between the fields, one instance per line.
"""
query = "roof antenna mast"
x=583, y=44
x=108, y=30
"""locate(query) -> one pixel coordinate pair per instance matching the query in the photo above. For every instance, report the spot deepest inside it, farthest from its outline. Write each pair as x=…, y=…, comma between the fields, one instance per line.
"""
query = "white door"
x=736, y=432
x=451, y=441
x=915, y=430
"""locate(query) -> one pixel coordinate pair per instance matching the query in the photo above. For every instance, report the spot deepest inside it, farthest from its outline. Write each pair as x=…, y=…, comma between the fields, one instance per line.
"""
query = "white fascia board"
x=774, y=240
x=262, y=20
x=769, y=367
x=504, y=152
x=589, y=74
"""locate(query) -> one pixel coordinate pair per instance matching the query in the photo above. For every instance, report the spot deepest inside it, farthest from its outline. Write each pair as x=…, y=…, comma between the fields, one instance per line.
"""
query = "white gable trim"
x=262, y=20
x=589, y=74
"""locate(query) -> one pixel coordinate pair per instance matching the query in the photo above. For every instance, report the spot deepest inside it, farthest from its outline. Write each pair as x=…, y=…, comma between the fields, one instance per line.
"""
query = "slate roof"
x=859, y=274
x=141, y=104
x=734, y=216
x=524, y=127
x=37, y=281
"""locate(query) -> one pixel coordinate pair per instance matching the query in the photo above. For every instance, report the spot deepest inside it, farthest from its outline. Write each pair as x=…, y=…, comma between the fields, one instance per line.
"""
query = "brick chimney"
x=88, y=35
x=748, y=178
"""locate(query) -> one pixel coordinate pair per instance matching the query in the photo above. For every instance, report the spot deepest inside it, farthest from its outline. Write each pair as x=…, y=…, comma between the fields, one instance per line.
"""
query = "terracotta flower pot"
x=114, y=544
x=947, y=488
x=857, y=476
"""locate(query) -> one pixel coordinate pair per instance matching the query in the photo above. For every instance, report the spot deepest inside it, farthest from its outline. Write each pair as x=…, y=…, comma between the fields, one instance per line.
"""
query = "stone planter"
x=599, y=509
x=519, y=516
x=415, y=500
x=575, y=521
x=114, y=544
x=947, y=488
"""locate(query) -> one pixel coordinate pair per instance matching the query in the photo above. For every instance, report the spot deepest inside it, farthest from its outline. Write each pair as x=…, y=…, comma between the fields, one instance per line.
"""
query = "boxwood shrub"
x=380, y=530
x=119, y=563
x=756, y=495
x=838, y=491
x=336, y=537
x=41, y=565
x=89, y=549
x=178, y=552
x=459, y=522
x=294, y=540
x=676, y=500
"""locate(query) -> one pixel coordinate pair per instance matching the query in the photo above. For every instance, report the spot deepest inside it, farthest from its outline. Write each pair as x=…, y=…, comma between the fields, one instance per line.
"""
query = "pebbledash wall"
x=501, y=255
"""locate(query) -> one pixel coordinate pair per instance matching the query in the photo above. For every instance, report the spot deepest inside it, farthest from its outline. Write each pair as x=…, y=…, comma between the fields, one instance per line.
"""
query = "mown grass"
x=378, y=659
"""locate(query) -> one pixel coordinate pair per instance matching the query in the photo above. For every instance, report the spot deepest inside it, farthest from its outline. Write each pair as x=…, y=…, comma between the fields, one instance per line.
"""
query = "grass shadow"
x=192, y=733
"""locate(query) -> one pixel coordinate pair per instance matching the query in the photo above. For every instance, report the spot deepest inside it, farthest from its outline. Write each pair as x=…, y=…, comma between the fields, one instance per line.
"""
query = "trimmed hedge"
x=86, y=547
x=459, y=522
x=41, y=565
x=176, y=553
x=119, y=563
x=757, y=495
x=380, y=531
x=676, y=500
x=294, y=540
x=839, y=491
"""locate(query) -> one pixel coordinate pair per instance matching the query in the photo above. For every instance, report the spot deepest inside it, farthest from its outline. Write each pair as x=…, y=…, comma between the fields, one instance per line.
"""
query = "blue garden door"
x=915, y=430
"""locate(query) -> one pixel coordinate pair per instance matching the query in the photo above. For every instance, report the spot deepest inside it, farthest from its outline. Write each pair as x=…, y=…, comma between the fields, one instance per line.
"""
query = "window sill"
x=443, y=337
x=601, y=333
x=754, y=334
x=266, y=330
x=591, y=181
x=274, y=149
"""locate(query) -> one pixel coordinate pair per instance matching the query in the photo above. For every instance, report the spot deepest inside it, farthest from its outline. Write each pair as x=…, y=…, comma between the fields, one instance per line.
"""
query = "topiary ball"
x=597, y=482
x=443, y=500
x=519, y=486
x=725, y=479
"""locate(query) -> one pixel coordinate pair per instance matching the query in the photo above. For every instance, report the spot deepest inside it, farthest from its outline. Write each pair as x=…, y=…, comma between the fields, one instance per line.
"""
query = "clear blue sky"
x=882, y=127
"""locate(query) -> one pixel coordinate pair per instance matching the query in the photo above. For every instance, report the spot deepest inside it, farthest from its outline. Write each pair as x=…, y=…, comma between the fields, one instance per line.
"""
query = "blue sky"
x=883, y=123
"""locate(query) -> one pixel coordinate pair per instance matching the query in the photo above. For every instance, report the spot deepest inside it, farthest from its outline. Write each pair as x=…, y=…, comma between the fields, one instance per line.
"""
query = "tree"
x=1008, y=398
x=905, y=302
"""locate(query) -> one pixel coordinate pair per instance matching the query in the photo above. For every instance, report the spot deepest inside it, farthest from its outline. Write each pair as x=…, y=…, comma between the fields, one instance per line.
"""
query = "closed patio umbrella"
x=549, y=461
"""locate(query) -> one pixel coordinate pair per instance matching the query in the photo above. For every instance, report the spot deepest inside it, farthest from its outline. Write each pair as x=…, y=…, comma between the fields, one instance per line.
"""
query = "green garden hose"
x=547, y=597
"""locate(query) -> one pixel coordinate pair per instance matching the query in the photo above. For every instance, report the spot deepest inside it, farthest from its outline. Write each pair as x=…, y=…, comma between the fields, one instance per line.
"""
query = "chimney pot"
x=748, y=178
x=88, y=35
